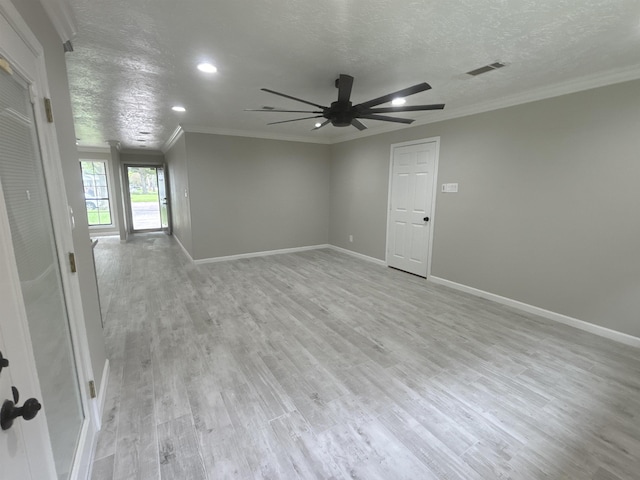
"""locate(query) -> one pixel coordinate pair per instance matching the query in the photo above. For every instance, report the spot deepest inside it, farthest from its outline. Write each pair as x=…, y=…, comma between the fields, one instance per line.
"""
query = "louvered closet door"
x=27, y=214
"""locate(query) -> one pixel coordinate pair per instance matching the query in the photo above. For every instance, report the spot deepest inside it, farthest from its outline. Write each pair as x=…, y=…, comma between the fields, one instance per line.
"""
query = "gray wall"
x=37, y=20
x=252, y=195
x=548, y=208
x=176, y=158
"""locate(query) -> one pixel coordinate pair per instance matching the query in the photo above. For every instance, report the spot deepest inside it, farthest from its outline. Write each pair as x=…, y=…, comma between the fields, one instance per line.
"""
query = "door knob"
x=3, y=362
x=9, y=411
x=426, y=219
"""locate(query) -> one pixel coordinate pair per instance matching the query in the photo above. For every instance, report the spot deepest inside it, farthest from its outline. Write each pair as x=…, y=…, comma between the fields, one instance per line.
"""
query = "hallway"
x=321, y=365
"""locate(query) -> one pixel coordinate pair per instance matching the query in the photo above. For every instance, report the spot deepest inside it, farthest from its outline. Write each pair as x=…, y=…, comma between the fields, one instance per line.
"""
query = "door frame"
x=432, y=216
x=21, y=47
x=127, y=193
x=167, y=192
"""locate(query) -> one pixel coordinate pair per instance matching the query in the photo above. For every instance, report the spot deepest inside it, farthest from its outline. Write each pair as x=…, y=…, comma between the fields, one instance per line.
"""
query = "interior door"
x=25, y=447
x=35, y=330
x=15, y=367
x=412, y=184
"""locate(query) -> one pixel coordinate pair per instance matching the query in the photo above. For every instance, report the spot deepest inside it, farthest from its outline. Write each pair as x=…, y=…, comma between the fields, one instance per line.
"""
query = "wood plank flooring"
x=321, y=365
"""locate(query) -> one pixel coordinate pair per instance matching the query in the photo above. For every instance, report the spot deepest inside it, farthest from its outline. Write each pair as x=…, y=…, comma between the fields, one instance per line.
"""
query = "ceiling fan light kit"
x=343, y=113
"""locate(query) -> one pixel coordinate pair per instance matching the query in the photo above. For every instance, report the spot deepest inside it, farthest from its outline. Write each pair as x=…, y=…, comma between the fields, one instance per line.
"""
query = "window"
x=96, y=192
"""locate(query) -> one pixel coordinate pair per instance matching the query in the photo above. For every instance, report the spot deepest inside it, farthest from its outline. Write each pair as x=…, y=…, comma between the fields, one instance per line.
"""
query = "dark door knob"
x=3, y=362
x=10, y=412
x=426, y=219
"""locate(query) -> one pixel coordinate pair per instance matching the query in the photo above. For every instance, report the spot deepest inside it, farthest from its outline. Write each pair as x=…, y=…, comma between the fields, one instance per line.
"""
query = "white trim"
x=587, y=82
x=173, y=138
x=432, y=216
x=361, y=256
x=84, y=452
x=62, y=18
x=31, y=65
x=105, y=150
x=186, y=252
x=103, y=230
x=100, y=401
x=114, y=143
x=254, y=134
x=260, y=254
x=556, y=317
x=141, y=151
x=113, y=226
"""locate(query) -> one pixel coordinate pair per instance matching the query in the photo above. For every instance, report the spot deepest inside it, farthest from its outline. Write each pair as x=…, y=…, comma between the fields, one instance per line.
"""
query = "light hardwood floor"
x=320, y=365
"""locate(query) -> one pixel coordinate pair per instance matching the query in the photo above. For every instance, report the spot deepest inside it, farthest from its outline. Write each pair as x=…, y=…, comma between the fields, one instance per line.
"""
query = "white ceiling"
x=134, y=59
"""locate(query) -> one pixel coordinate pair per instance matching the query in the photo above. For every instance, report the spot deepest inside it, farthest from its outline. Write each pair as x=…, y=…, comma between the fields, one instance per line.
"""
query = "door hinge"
x=5, y=65
x=72, y=262
x=48, y=110
x=92, y=389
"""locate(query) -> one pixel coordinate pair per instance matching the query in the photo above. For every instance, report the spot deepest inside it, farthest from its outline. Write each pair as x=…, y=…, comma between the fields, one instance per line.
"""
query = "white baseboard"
x=259, y=254
x=358, y=255
x=85, y=452
x=182, y=247
x=557, y=317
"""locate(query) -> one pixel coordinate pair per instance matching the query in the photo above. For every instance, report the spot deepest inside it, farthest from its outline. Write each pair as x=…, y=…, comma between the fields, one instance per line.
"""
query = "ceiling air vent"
x=486, y=68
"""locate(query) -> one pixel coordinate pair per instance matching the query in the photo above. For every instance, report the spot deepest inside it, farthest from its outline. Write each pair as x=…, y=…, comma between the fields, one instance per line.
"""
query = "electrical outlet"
x=350, y=238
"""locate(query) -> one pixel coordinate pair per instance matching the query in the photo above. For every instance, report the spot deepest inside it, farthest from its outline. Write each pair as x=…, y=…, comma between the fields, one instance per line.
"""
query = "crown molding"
x=140, y=151
x=62, y=17
x=173, y=138
x=82, y=149
x=564, y=88
x=114, y=144
x=254, y=134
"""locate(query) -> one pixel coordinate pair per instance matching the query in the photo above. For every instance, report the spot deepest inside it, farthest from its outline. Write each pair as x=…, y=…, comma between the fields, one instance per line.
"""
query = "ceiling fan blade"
x=345, y=83
x=385, y=118
x=358, y=124
x=322, y=125
x=292, y=98
x=409, y=108
x=294, y=120
x=421, y=87
x=278, y=110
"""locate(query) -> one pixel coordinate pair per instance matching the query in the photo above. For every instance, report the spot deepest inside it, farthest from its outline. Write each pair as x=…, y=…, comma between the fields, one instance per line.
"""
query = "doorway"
x=412, y=188
x=147, y=198
x=40, y=323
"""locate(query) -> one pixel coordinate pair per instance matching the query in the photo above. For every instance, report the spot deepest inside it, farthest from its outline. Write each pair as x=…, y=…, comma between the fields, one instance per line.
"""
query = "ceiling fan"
x=342, y=113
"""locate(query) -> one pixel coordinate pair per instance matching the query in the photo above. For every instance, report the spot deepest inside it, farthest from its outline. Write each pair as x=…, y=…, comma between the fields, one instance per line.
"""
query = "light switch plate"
x=450, y=188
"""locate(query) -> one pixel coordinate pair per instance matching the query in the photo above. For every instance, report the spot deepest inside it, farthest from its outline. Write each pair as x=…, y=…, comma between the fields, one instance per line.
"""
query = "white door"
x=35, y=327
x=16, y=460
x=410, y=206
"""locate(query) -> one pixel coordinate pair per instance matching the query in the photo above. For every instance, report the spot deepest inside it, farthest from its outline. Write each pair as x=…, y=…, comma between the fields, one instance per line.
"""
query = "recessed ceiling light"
x=318, y=124
x=178, y=108
x=207, y=68
x=396, y=102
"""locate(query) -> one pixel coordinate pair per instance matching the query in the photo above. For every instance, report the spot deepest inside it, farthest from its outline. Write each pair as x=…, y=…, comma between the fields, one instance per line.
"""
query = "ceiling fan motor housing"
x=340, y=113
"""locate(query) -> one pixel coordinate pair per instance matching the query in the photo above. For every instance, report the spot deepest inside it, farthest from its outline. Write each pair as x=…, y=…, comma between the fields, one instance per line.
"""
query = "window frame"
x=96, y=199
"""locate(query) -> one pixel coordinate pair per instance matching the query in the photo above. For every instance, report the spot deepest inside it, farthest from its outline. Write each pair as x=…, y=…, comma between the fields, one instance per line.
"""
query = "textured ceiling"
x=134, y=59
